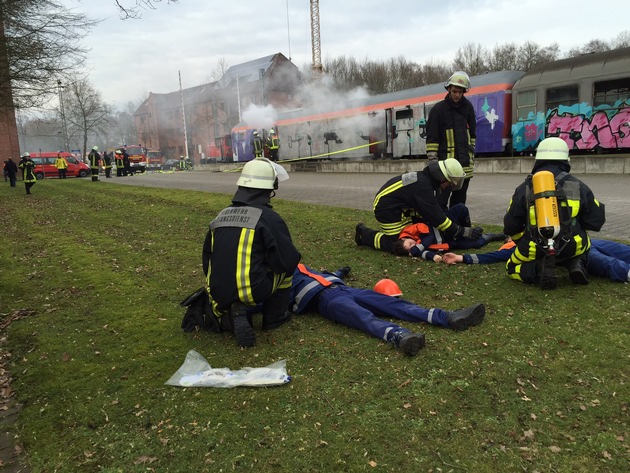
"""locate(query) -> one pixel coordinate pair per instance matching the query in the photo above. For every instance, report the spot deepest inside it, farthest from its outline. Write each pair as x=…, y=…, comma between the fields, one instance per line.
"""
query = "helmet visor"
x=456, y=182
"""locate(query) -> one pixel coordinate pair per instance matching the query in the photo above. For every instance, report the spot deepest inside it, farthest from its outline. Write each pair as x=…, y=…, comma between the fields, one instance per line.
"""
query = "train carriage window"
x=610, y=91
x=404, y=114
x=566, y=96
x=526, y=104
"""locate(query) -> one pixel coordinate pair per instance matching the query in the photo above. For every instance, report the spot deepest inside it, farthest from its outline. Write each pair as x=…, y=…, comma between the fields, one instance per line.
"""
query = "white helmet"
x=453, y=172
x=26, y=155
x=259, y=173
x=95, y=148
x=459, y=79
x=552, y=149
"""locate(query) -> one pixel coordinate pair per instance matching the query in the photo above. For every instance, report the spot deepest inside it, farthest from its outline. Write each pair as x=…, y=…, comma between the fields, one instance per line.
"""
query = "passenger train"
x=584, y=100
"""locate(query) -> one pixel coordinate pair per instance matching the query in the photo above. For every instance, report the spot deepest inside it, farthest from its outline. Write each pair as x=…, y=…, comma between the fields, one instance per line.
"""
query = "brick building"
x=213, y=109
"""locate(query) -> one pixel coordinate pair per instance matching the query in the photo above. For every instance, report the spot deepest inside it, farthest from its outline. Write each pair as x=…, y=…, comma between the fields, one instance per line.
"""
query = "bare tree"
x=220, y=69
x=532, y=54
x=41, y=40
x=131, y=9
x=622, y=40
x=504, y=58
x=86, y=112
x=472, y=58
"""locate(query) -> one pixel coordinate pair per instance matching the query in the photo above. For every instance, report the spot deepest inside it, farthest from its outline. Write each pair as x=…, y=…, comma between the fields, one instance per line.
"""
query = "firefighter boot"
x=408, y=342
x=468, y=317
x=490, y=237
x=241, y=325
x=577, y=270
x=546, y=269
x=358, y=231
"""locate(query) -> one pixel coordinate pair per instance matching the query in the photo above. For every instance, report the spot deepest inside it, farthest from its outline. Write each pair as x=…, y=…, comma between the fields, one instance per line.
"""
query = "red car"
x=45, y=165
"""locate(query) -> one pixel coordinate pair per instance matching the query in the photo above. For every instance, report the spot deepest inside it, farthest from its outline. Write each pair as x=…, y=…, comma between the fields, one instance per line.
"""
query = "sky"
x=129, y=58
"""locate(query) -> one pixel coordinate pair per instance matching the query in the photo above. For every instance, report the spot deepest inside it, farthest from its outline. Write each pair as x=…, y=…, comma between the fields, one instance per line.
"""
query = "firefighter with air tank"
x=548, y=218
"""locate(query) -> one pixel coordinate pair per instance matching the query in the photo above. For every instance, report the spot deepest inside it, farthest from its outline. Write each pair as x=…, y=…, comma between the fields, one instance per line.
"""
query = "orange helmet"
x=388, y=287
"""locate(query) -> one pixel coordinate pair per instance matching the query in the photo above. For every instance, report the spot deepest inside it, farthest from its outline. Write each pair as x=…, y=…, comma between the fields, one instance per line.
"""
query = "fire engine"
x=155, y=160
x=137, y=157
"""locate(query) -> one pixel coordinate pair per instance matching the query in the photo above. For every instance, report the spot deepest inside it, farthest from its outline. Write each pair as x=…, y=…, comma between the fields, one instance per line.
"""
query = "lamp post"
x=63, y=117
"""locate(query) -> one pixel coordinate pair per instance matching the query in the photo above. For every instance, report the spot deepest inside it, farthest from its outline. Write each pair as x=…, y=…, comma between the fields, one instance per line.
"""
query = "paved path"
x=488, y=195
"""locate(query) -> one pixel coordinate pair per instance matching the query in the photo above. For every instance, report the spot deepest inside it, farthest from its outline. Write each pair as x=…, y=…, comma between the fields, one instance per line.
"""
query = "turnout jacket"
x=411, y=198
x=579, y=212
x=28, y=166
x=452, y=131
x=248, y=251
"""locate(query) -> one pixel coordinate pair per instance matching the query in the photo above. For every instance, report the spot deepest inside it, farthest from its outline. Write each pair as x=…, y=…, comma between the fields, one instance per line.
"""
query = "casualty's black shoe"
x=489, y=237
x=343, y=272
x=577, y=270
x=243, y=331
x=411, y=343
x=464, y=318
x=358, y=230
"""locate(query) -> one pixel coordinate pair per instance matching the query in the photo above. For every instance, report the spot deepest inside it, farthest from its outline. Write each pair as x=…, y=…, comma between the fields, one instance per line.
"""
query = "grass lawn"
x=92, y=276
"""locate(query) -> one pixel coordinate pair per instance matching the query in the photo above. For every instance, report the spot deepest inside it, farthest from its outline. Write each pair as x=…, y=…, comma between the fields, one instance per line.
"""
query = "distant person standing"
x=62, y=166
x=120, y=164
x=451, y=133
x=257, y=144
x=127, y=163
x=107, y=162
x=95, y=162
x=28, y=169
x=10, y=169
x=273, y=143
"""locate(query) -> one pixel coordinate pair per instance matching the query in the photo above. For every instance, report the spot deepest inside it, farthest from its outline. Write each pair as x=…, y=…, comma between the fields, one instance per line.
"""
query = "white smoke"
x=259, y=117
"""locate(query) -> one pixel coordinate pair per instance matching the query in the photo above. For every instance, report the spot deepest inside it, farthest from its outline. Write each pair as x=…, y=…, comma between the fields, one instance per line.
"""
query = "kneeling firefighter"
x=249, y=257
x=548, y=218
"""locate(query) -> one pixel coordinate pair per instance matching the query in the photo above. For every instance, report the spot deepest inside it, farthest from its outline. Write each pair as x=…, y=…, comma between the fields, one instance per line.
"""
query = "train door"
x=404, y=130
x=490, y=118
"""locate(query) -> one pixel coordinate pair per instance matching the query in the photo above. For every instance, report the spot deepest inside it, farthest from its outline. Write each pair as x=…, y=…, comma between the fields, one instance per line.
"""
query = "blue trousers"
x=362, y=308
x=609, y=259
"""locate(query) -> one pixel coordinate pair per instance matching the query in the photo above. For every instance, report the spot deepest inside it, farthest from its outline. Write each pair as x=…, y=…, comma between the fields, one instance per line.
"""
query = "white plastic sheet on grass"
x=197, y=372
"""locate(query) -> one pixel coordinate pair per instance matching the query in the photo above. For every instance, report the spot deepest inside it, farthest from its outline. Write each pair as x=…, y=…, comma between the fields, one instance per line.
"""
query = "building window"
x=566, y=96
x=610, y=91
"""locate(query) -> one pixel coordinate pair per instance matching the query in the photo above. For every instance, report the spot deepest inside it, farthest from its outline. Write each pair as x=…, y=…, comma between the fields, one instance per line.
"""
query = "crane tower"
x=315, y=39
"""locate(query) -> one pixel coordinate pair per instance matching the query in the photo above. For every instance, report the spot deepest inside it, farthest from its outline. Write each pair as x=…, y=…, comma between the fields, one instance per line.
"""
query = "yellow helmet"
x=459, y=79
x=453, y=172
x=258, y=173
x=552, y=149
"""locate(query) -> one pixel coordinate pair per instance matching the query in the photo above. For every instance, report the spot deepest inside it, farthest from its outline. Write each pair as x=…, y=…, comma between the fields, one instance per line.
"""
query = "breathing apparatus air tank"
x=546, y=206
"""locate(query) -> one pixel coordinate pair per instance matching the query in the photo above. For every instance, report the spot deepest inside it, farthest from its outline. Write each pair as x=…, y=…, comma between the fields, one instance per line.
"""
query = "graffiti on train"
x=580, y=125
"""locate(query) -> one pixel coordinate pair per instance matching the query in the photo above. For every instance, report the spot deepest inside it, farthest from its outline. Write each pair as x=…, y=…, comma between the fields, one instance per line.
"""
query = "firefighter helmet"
x=95, y=148
x=26, y=154
x=259, y=173
x=552, y=149
x=449, y=169
x=388, y=287
x=272, y=131
x=458, y=79
x=255, y=133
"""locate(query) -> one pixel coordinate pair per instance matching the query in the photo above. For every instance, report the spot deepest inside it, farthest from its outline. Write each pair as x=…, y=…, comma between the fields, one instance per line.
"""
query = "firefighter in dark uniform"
x=579, y=212
x=248, y=255
x=120, y=164
x=451, y=133
x=412, y=198
x=273, y=143
x=257, y=144
x=28, y=172
x=95, y=162
x=107, y=162
x=127, y=163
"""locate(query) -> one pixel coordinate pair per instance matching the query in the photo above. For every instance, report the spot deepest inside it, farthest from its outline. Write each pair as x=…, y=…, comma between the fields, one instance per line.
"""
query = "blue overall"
x=358, y=308
x=609, y=259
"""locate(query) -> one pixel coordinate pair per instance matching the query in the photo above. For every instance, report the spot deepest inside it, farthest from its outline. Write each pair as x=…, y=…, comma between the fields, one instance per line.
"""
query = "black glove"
x=472, y=233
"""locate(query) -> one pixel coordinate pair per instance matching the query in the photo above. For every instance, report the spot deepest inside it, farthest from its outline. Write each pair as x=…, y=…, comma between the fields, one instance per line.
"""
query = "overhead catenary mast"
x=181, y=94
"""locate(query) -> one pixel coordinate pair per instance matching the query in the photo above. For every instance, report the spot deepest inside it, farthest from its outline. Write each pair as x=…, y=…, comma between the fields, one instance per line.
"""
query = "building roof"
x=247, y=71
